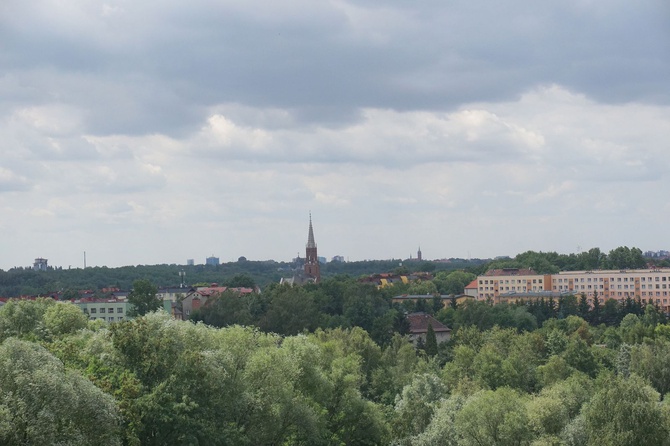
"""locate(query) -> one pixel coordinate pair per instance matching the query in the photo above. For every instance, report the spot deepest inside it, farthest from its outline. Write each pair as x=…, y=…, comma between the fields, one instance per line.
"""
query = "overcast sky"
x=146, y=131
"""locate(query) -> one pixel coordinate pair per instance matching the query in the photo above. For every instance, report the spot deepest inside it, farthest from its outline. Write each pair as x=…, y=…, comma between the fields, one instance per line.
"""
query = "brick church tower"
x=312, y=268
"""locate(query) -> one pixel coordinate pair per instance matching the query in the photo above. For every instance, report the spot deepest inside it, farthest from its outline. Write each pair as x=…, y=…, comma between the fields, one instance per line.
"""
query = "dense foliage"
x=330, y=368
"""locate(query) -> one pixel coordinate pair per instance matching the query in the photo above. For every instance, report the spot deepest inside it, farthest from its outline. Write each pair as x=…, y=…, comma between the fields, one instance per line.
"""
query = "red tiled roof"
x=418, y=323
x=472, y=284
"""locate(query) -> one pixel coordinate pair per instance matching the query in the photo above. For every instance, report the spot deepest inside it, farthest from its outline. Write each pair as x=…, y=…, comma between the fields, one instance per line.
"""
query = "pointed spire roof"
x=310, y=238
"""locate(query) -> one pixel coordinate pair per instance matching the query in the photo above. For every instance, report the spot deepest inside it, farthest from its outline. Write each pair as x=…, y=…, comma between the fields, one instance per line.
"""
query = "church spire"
x=310, y=238
x=312, y=268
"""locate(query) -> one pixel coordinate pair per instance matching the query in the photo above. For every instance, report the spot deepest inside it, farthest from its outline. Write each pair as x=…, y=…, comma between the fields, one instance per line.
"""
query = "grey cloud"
x=156, y=66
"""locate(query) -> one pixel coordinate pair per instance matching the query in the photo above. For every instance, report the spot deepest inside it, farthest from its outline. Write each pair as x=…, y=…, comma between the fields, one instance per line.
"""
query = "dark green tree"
x=596, y=310
x=240, y=280
x=143, y=298
x=431, y=342
x=583, y=307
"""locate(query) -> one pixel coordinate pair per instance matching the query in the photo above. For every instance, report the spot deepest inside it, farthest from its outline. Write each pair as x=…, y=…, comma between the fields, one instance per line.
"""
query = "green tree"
x=583, y=307
x=64, y=318
x=453, y=282
x=431, y=342
x=442, y=431
x=494, y=418
x=23, y=318
x=143, y=298
x=626, y=412
x=651, y=361
x=291, y=310
x=43, y=403
x=228, y=308
x=241, y=280
x=414, y=407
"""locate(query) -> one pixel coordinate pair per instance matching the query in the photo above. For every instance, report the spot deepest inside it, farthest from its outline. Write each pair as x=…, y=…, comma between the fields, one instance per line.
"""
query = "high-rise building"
x=312, y=267
x=213, y=261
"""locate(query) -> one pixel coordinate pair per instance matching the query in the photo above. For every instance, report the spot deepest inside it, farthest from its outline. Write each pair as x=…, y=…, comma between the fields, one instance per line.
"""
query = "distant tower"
x=418, y=254
x=312, y=268
x=40, y=264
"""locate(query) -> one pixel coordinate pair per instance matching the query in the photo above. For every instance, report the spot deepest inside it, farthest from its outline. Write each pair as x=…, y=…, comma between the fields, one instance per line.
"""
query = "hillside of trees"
x=24, y=281
x=328, y=364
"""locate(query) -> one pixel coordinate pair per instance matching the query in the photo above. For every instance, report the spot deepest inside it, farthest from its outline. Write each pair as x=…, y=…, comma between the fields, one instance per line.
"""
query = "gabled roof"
x=419, y=322
x=472, y=285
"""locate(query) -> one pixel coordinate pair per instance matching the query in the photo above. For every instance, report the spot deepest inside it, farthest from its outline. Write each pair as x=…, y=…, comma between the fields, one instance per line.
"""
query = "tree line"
x=619, y=258
x=24, y=281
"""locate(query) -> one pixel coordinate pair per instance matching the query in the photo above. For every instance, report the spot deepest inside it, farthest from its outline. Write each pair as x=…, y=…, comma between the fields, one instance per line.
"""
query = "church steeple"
x=310, y=238
x=312, y=267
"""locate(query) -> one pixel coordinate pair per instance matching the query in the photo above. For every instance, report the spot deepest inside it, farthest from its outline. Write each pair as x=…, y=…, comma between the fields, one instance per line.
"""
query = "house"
x=418, y=327
x=472, y=289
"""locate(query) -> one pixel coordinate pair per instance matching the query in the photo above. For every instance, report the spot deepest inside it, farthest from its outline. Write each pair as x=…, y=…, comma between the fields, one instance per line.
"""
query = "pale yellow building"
x=496, y=282
x=644, y=284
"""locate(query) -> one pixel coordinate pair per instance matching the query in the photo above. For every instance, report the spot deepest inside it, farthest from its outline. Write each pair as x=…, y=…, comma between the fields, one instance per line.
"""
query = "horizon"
x=329, y=259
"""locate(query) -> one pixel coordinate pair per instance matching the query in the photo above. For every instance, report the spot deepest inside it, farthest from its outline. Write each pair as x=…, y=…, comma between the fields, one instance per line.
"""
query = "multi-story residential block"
x=495, y=282
x=647, y=285
x=110, y=310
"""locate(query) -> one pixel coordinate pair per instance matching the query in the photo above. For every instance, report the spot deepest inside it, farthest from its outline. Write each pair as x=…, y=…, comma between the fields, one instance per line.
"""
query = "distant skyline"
x=152, y=132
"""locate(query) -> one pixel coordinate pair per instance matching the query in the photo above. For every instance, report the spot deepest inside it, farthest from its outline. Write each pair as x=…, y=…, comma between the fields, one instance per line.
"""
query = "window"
x=102, y=310
x=111, y=319
x=93, y=310
x=119, y=310
x=110, y=310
